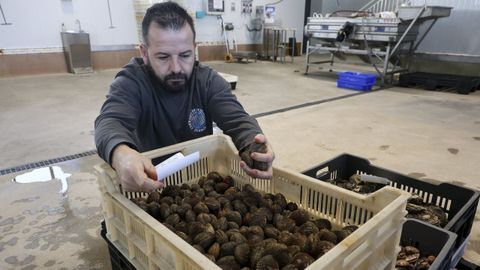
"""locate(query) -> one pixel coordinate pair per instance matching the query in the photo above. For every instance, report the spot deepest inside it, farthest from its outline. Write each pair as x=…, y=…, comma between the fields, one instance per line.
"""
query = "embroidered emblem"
x=196, y=120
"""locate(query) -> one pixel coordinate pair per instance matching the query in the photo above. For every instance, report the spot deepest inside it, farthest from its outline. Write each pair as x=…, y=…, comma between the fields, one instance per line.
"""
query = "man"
x=166, y=97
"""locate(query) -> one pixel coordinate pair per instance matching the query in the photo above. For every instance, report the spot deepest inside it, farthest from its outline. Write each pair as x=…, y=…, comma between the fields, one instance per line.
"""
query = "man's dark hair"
x=169, y=15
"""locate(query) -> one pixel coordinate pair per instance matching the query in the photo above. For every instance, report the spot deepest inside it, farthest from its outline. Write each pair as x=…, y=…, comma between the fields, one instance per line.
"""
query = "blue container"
x=356, y=81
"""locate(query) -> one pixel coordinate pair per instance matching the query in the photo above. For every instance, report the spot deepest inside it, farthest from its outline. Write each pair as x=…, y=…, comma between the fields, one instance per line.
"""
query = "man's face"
x=170, y=54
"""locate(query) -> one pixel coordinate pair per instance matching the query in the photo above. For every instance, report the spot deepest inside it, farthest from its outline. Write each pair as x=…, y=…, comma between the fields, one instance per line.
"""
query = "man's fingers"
x=150, y=170
x=151, y=185
x=257, y=173
x=260, y=138
x=267, y=157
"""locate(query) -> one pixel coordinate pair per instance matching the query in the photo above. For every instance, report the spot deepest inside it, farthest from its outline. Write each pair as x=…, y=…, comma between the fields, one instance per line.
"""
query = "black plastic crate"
x=118, y=261
x=432, y=81
x=430, y=240
x=460, y=203
x=466, y=265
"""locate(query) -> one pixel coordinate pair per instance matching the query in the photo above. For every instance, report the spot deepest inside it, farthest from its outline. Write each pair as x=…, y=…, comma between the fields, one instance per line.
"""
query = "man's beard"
x=173, y=82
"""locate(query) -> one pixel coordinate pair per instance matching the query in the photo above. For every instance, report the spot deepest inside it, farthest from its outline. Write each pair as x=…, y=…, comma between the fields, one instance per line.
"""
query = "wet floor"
x=41, y=227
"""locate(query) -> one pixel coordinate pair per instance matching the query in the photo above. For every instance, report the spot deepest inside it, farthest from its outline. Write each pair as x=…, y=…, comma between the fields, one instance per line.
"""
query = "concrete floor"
x=434, y=136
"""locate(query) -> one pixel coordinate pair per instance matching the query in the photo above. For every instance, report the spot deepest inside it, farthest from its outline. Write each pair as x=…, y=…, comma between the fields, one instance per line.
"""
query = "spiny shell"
x=258, y=219
x=291, y=206
x=234, y=216
x=193, y=200
x=194, y=187
x=190, y=215
x=182, y=209
x=271, y=232
x=246, y=153
x=237, y=237
x=300, y=240
x=204, y=218
x=195, y=228
x=242, y=254
x=173, y=219
x=215, y=176
x=184, y=193
x=323, y=223
x=280, y=252
x=154, y=197
x=302, y=260
x=171, y=191
x=286, y=238
x=327, y=235
x=214, y=250
x=286, y=224
x=184, y=236
x=201, y=181
x=204, y=239
x=199, y=248
x=265, y=211
x=267, y=263
x=168, y=200
x=144, y=206
x=182, y=226
x=300, y=216
x=290, y=267
x=222, y=224
x=307, y=228
x=256, y=254
x=201, y=208
x=232, y=225
x=227, y=248
x=293, y=250
x=240, y=207
x=212, y=204
x=324, y=247
x=154, y=209
x=221, y=187
x=221, y=236
x=280, y=200
x=184, y=186
x=229, y=180
x=228, y=262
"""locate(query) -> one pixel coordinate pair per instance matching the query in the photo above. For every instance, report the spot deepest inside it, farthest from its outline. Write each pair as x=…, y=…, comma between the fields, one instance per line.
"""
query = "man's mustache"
x=176, y=77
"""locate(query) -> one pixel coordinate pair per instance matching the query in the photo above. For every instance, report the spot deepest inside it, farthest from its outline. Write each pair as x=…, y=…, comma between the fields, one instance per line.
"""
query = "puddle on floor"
x=55, y=224
x=44, y=174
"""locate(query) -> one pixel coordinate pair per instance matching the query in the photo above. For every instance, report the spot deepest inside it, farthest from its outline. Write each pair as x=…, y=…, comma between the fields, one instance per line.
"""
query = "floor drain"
x=44, y=163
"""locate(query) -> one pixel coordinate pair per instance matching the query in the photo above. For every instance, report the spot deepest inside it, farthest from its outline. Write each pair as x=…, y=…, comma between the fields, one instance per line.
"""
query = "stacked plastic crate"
x=148, y=244
x=460, y=203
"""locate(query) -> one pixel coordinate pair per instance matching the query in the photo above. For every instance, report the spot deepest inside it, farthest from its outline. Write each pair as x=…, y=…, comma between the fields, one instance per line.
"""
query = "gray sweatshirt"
x=142, y=115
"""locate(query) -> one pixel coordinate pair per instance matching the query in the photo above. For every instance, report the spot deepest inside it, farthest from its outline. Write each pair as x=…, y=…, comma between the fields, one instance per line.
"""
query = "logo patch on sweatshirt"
x=196, y=120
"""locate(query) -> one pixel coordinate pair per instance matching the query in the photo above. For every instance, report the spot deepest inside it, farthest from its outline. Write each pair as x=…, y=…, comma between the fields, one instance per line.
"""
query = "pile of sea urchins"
x=242, y=229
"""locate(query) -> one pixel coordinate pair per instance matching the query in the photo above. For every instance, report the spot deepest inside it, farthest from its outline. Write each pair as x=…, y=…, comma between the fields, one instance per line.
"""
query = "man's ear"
x=144, y=52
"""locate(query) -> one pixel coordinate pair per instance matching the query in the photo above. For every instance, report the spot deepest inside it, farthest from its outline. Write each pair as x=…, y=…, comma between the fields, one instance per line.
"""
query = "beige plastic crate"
x=150, y=245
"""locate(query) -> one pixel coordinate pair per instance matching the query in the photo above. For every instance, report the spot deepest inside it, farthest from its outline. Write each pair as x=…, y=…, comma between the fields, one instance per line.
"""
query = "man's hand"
x=136, y=172
x=267, y=157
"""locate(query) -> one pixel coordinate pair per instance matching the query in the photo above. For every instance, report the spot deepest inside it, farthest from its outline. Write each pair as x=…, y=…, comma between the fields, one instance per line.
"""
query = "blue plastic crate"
x=354, y=86
x=356, y=81
x=357, y=78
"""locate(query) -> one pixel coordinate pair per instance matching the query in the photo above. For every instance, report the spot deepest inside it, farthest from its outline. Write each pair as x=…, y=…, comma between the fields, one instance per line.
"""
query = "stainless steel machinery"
x=377, y=38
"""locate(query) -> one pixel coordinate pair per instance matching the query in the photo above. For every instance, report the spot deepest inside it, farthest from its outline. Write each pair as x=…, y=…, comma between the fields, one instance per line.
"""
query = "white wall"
x=37, y=24
x=456, y=34
x=289, y=14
